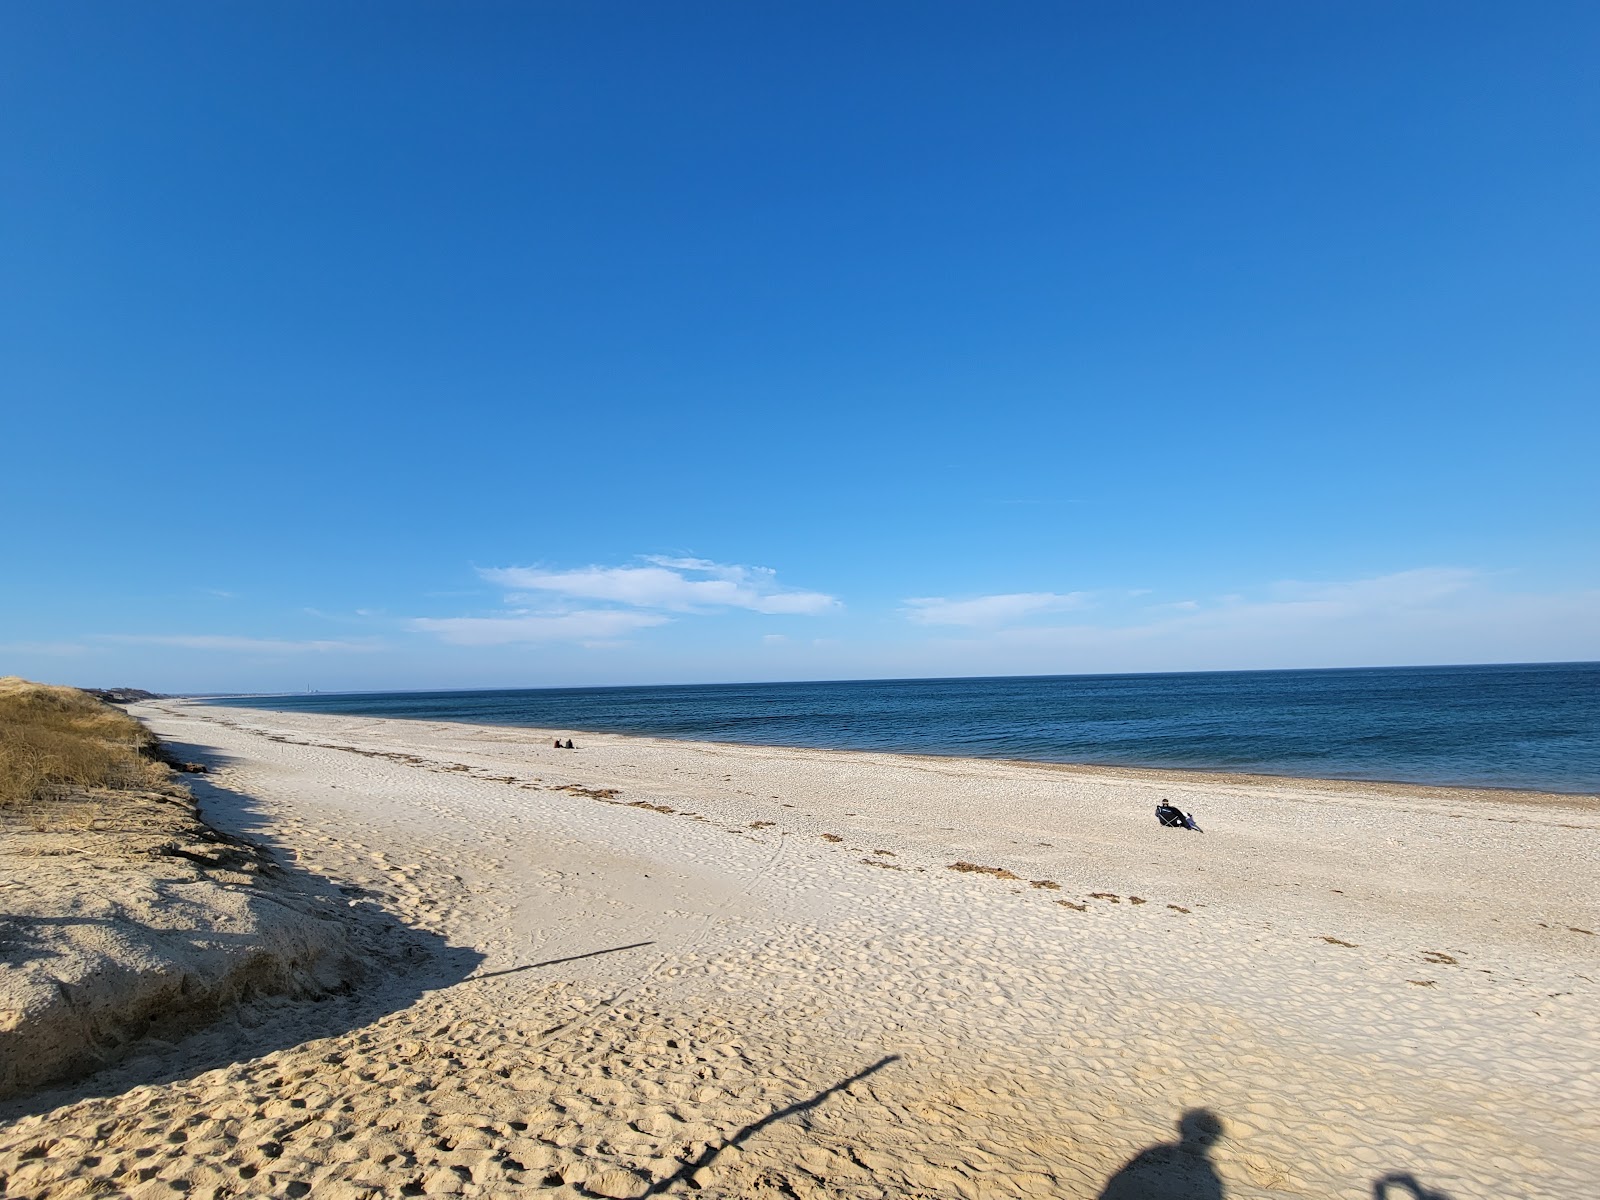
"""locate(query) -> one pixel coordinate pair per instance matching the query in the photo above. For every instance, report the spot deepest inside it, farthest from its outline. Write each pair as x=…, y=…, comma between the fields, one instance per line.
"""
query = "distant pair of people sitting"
x=1175, y=818
x=566, y=745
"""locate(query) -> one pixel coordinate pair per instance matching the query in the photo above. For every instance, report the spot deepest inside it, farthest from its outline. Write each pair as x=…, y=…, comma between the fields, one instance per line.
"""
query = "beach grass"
x=59, y=741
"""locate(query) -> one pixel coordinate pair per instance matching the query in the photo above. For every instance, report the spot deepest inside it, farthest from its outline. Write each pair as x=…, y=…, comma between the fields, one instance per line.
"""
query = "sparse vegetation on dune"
x=56, y=741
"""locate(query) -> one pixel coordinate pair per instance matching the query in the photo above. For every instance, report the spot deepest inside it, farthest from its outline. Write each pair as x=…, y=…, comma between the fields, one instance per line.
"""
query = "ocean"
x=1532, y=726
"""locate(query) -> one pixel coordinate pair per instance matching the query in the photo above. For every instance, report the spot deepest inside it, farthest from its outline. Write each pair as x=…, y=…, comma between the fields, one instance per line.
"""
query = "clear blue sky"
x=408, y=345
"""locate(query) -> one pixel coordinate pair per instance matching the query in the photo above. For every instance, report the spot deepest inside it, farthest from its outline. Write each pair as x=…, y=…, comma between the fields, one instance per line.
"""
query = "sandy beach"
x=645, y=967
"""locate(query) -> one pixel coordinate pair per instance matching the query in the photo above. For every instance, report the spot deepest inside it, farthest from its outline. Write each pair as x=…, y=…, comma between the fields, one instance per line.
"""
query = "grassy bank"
x=56, y=741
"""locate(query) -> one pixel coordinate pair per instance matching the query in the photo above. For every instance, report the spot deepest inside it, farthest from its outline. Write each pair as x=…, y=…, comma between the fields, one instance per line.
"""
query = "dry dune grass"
x=56, y=740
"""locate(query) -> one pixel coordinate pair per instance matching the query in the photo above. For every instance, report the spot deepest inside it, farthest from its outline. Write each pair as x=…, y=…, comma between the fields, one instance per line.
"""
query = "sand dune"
x=664, y=968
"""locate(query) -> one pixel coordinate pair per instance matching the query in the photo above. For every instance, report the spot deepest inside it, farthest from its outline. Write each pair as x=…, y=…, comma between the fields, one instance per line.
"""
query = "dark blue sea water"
x=1532, y=726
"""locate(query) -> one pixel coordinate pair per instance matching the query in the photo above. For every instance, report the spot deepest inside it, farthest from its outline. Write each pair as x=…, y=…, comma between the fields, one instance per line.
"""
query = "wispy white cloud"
x=589, y=626
x=1002, y=609
x=670, y=584
x=1426, y=615
x=1290, y=605
x=62, y=649
x=355, y=616
x=1298, y=604
x=560, y=605
x=1424, y=585
x=248, y=645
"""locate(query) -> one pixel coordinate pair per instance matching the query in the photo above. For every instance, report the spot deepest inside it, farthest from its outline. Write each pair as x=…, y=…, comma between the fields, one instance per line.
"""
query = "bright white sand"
x=1359, y=980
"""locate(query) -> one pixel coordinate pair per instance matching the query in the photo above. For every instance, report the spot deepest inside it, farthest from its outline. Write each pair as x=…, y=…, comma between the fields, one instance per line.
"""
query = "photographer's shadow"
x=1180, y=1170
x=1402, y=1185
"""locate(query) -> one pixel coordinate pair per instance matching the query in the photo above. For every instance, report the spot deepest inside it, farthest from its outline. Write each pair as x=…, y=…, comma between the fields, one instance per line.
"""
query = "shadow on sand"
x=552, y=962
x=1402, y=1185
x=709, y=1155
x=401, y=964
x=1180, y=1170
x=1183, y=1170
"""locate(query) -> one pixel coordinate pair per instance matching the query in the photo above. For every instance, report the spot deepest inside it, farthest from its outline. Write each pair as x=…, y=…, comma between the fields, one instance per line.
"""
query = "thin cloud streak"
x=54, y=649
x=1423, y=585
x=1434, y=614
x=586, y=626
x=1000, y=609
x=249, y=645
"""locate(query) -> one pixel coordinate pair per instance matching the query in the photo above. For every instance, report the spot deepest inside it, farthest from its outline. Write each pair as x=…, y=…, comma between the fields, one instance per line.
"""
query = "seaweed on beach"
x=577, y=789
x=975, y=869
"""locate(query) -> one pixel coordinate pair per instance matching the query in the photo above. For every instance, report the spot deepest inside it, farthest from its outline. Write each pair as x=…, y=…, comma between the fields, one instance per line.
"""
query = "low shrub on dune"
x=58, y=740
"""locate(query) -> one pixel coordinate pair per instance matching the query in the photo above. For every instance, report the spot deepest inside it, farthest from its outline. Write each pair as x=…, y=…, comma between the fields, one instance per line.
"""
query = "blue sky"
x=419, y=345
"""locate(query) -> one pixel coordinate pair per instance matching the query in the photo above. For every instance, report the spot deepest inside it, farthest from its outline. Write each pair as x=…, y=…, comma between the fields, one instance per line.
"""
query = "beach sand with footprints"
x=644, y=967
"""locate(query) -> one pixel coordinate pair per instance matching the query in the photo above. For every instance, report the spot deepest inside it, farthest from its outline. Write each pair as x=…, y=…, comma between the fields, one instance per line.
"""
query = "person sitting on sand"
x=558, y=743
x=1171, y=817
x=570, y=746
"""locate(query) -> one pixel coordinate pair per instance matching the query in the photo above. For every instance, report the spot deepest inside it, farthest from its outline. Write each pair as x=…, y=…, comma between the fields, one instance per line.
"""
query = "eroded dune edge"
x=136, y=920
x=643, y=967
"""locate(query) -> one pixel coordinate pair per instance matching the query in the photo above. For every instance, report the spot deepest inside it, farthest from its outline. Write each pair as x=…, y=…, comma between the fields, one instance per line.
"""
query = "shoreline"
x=1197, y=774
x=729, y=970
